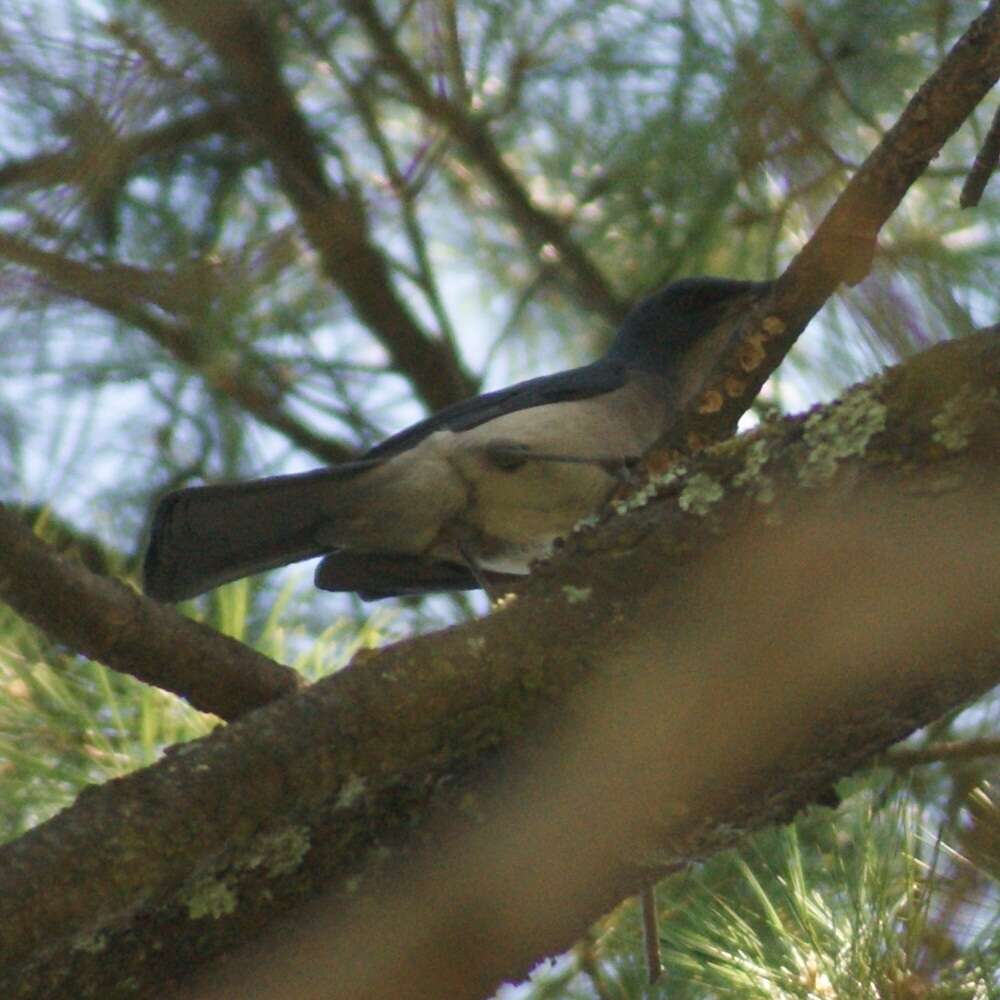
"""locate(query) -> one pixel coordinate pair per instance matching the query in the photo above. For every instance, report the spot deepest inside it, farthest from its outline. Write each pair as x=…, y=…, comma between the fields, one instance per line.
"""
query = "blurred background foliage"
x=522, y=170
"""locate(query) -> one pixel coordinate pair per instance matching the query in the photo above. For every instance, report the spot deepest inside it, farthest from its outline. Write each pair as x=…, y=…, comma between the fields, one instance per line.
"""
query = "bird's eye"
x=508, y=456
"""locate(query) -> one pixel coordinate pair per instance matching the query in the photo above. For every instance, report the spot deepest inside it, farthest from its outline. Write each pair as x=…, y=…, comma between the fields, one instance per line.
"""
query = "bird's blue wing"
x=577, y=383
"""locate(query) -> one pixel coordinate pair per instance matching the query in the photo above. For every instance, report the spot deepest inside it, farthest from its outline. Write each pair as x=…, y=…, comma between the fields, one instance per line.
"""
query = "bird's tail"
x=205, y=536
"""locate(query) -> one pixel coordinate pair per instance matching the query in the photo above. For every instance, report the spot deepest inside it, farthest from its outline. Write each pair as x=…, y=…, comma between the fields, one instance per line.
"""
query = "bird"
x=472, y=495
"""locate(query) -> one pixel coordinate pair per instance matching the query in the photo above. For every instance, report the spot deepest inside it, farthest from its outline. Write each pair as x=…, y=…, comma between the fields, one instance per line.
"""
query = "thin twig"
x=651, y=933
x=905, y=758
x=538, y=227
x=796, y=14
x=405, y=191
x=71, y=165
x=983, y=167
x=125, y=292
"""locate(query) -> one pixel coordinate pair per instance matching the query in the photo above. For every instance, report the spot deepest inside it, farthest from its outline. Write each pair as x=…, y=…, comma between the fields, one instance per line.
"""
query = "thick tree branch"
x=719, y=717
x=334, y=220
x=538, y=227
x=754, y=578
x=65, y=538
x=983, y=167
x=841, y=248
x=111, y=623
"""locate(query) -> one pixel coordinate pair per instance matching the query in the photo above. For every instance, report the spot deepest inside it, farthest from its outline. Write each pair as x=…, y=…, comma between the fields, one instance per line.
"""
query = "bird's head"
x=658, y=332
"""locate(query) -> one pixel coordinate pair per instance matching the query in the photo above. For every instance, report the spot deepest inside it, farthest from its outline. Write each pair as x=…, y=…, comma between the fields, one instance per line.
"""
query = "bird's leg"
x=477, y=573
x=511, y=457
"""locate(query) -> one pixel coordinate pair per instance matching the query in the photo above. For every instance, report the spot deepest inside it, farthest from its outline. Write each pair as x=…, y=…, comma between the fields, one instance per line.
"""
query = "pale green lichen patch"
x=699, y=493
x=644, y=494
x=577, y=595
x=279, y=852
x=675, y=472
x=954, y=425
x=207, y=896
x=843, y=430
x=751, y=476
x=640, y=498
x=350, y=792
